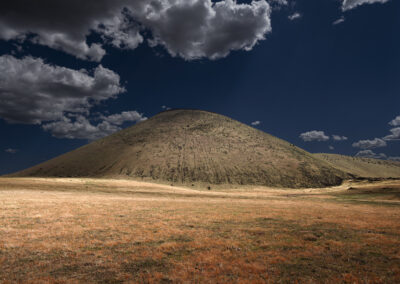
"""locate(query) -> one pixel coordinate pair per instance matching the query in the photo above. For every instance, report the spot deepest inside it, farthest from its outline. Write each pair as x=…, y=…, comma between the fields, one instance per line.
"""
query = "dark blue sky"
x=307, y=75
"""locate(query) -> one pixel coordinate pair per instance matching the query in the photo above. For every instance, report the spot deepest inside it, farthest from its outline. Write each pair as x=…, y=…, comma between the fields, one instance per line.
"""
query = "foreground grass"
x=56, y=231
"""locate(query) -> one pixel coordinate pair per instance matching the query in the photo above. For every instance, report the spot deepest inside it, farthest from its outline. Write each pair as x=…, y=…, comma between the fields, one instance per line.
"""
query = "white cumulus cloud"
x=255, y=123
x=59, y=99
x=395, y=134
x=314, y=135
x=339, y=138
x=121, y=118
x=370, y=144
x=190, y=29
x=395, y=122
x=81, y=127
x=32, y=91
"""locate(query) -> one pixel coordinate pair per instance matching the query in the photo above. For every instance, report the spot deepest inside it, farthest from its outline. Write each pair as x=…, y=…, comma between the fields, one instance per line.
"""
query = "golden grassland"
x=115, y=231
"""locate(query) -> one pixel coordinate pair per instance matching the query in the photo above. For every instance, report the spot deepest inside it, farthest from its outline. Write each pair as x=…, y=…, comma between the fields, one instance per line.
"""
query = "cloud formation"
x=121, y=118
x=62, y=25
x=370, y=144
x=32, y=91
x=338, y=21
x=200, y=28
x=59, y=99
x=395, y=122
x=394, y=136
x=396, y=159
x=11, y=151
x=294, y=16
x=81, y=128
x=255, y=123
x=314, y=136
x=190, y=29
x=351, y=4
x=339, y=138
x=370, y=154
x=280, y=2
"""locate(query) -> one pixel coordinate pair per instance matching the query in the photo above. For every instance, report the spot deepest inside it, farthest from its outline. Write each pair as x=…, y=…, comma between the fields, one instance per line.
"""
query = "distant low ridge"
x=363, y=167
x=194, y=147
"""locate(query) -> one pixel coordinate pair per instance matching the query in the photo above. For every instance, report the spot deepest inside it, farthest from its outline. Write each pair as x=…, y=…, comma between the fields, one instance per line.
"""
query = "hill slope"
x=193, y=147
x=362, y=167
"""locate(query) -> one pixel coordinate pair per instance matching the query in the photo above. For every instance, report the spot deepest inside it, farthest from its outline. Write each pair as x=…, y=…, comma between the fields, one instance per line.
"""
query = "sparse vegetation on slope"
x=362, y=167
x=195, y=148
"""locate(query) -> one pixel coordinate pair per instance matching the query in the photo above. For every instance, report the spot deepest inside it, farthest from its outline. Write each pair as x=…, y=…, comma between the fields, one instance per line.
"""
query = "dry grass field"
x=115, y=231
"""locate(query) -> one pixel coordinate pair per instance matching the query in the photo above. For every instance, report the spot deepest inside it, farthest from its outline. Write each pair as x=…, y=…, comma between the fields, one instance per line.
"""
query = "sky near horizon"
x=321, y=74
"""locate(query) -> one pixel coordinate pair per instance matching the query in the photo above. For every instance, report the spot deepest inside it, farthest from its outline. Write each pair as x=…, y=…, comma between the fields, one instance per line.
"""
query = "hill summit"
x=193, y=147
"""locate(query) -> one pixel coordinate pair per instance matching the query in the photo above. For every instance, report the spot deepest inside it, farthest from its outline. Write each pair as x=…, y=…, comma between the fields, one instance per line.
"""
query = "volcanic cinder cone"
x=193, y=147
